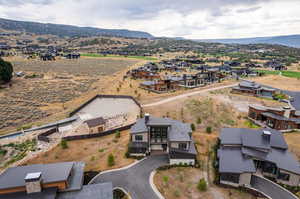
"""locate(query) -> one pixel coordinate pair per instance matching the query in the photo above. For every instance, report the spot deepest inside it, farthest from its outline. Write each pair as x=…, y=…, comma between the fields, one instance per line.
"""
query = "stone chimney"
x=147, y=117
x=33, y=182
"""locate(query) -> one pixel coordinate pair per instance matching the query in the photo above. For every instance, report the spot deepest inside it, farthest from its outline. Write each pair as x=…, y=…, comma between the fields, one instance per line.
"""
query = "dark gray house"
x=253, y=88
x=50, y=181
x=245, y=152
x=164, y=135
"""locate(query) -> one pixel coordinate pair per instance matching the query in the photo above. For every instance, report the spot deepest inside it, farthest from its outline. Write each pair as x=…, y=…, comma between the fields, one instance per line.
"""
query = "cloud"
x=248, y=9
x=21, y=2
x=187, y=18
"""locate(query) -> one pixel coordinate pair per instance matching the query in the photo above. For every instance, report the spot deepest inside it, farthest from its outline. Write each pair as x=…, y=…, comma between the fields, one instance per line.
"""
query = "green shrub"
x=177, y=194
x=64, y=144
x=6, y=70
x=3, y=152
x=208, y=129
x=199, y=121
x=202, y=186
x=193, y=127
x=111, y=160
x=118, y=134
x=101, y=150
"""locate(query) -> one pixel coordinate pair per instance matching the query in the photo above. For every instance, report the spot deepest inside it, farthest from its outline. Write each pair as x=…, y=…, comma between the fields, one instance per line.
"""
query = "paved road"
x=135, y=180
x=296, y=96
x=187, y=95
x=271, y=189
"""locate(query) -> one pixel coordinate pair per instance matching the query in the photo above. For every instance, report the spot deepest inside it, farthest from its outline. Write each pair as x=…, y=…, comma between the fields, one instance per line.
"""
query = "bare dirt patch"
x=293, y=140
x=94, y=152
x=54, y=87
x=280, y=82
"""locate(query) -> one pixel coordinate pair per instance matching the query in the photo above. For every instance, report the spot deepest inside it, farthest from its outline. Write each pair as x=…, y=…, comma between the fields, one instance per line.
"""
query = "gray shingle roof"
x=249, y=84
x=178, y=131
x=279, y=117
x=255, y=139
x=14, y=177
x=230, y=136
x=282, y=158
x=231, y=160
x=252, y=141
x=252, y=138
x=93, y=191
x=49, y=193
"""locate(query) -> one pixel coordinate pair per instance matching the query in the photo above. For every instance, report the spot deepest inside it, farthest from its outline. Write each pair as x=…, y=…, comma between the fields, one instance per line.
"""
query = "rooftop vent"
x=33, y=182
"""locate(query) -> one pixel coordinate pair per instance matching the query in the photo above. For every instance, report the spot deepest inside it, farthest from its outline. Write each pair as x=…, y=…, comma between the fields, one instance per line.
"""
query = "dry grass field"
x=94, y=152
x=182, y=183
x=281, y=82
x=82, y=67
x=51, y=89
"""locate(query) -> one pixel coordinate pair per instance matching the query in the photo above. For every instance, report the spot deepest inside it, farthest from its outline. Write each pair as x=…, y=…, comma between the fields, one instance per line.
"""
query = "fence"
x=87, y=136
x=44, y=136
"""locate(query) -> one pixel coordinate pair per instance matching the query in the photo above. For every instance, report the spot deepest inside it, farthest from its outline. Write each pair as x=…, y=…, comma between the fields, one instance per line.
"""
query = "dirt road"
x=187, y=95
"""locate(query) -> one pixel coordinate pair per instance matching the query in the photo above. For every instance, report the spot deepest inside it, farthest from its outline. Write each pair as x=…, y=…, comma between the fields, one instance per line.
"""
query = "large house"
x=161, y=86
x=247, y=152
x=282, y=118
x=164, y=135
x=50, y=181
x=253, y=88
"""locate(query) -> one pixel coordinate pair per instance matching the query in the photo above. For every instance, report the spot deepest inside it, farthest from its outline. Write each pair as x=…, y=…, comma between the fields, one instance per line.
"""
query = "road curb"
x=151, y=178
x=118, y=169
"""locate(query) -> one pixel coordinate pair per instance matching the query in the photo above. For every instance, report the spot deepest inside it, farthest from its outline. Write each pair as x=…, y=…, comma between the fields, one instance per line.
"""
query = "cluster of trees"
x=6, y=71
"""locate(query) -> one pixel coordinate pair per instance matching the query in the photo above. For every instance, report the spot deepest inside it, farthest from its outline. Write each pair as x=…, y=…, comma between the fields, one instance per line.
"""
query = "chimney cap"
x=267, y=133
x=33, y=176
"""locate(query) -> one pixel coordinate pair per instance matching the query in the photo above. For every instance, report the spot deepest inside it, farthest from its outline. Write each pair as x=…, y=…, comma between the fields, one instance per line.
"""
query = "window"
x=139, y=138
x=283, y=176
x=253, y=115
x=182, y=146
x=230, y=177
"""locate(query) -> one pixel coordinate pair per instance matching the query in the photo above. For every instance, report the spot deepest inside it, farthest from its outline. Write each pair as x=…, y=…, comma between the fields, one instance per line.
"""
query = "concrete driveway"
x=271, y=189
x=135, y=179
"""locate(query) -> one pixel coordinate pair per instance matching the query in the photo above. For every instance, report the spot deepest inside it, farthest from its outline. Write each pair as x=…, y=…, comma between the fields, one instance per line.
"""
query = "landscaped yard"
x=293, y=74
x=94, y=152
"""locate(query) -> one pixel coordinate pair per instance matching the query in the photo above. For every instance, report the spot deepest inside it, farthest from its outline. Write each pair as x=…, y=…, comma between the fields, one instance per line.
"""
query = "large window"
x=182, y=146
x=230, y=177
x=159, y=133
x=139, y=138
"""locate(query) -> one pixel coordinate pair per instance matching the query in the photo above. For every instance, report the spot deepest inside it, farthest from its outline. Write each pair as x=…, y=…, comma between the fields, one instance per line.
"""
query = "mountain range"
x=73, y=31
x=287, y=40
x=67, y=30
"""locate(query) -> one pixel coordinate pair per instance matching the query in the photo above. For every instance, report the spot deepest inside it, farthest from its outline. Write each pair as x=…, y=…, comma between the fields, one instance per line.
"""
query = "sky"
x=192, y=19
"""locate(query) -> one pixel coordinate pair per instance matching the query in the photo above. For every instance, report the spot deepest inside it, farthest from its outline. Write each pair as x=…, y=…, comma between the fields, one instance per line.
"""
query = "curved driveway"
x=271, y=189
x=135, y=179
